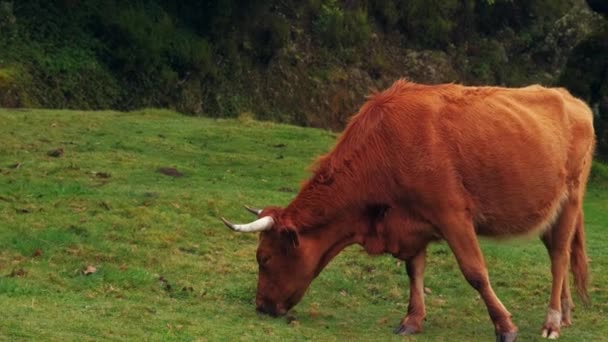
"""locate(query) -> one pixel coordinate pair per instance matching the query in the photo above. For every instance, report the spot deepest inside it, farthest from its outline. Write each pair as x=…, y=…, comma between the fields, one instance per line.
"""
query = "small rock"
x=55, y=153
x=427, y=290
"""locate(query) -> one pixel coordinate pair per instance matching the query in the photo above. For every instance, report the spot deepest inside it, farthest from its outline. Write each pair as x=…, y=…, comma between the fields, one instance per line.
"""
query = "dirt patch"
x=18, y=273
x=103, y=175
x=170, y=171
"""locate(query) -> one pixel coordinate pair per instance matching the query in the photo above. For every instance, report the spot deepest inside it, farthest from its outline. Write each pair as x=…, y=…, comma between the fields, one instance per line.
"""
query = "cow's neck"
x=328, y=248
x=318, y=203
x=333, y=213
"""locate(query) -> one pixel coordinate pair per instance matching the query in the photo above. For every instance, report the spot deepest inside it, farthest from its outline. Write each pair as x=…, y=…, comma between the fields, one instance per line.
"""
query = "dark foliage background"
x=306, y=62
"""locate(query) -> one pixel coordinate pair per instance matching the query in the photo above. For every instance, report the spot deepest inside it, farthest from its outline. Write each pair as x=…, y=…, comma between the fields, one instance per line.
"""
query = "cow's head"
x=287, y=262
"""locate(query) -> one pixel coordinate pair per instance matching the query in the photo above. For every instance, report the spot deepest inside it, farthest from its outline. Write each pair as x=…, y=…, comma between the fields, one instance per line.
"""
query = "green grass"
x=168, y=270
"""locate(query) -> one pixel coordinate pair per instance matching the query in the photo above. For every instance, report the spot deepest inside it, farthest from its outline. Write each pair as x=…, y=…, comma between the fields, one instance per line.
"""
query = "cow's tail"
x=578, y=260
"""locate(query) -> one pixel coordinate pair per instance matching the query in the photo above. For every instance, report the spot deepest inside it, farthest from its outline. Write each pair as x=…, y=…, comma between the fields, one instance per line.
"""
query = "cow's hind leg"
x=459, y=232
x=566, y=297
x=412, y=323
x=567, y=303
x=560, y=241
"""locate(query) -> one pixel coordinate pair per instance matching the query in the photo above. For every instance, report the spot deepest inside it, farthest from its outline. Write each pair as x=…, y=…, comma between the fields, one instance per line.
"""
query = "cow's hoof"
x=506, y=337
x=552, y=334
x=405, y=330
x=551, y=327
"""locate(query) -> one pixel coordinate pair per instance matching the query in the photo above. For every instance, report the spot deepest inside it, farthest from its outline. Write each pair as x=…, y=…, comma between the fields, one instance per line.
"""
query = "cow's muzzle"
x=267, y=308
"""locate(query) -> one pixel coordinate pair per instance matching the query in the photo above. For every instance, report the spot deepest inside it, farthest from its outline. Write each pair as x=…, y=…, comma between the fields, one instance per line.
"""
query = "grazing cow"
x=422, y=163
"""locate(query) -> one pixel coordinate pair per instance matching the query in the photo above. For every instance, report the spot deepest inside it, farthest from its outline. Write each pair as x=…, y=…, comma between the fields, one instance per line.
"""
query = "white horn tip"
x=227, y=223
x=254, y=211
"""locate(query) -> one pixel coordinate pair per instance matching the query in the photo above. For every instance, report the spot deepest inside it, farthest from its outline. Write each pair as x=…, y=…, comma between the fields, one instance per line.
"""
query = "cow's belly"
x=527, y=222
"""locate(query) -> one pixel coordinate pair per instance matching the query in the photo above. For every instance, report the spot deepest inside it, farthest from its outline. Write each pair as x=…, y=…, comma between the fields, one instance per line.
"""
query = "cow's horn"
x=259, y=225
x=254, y=211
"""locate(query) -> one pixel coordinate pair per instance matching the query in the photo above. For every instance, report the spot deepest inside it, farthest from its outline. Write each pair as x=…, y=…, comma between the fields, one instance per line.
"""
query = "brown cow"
x=421, y=163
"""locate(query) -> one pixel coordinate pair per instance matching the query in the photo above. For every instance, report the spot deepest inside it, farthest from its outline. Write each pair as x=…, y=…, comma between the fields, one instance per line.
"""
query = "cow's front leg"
x=412, y=322
x=460, y=235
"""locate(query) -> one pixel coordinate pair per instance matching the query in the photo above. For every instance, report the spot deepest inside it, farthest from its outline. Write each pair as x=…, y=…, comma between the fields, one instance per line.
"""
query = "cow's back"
x=509, y=155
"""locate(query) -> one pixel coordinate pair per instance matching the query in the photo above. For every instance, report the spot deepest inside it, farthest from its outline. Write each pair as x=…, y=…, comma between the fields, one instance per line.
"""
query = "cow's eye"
x=263, y=260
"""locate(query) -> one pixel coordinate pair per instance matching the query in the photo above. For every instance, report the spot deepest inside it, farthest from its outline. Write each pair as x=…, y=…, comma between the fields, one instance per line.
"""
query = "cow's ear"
x=290, y=237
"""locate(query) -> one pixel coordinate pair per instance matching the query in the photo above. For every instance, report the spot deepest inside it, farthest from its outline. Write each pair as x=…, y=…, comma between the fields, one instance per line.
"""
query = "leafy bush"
x=599, y=172
x=270, y=37
x=489, y=62
x=14, y=86
x=66, y=77
x=586, y=76
x=429, y=22
x=340, y=29
x=386, y=13
x=151, y=54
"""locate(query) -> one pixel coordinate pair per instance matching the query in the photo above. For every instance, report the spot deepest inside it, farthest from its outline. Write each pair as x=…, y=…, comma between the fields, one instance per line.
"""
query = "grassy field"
x=162, y=267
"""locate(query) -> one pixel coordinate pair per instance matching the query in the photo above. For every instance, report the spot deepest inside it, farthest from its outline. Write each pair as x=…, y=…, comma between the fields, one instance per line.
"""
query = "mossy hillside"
x=303, y=62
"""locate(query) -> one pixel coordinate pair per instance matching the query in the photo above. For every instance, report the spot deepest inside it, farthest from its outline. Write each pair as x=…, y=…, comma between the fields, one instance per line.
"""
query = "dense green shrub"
x=14, y=87
x=429, y=22
x=586, y=76
x=386, y=13
x=599, y=173
x=71, y=78
x=337, y=28
x=150, y=54
x=438, y=23
x=54, y=59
